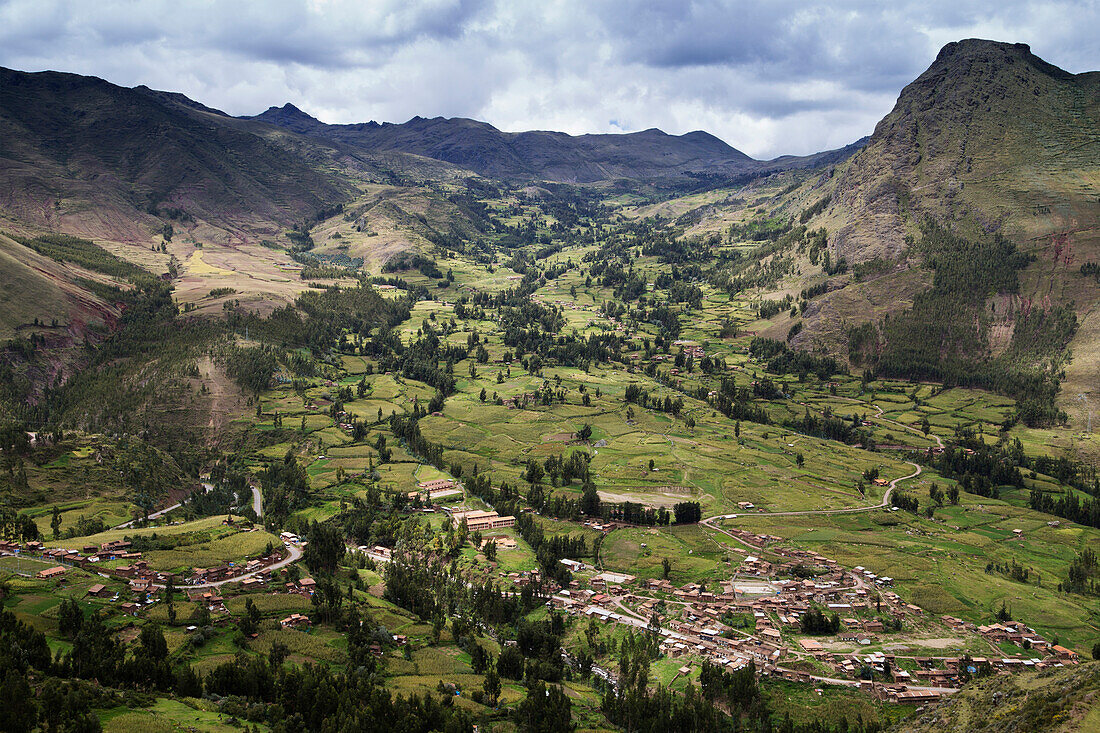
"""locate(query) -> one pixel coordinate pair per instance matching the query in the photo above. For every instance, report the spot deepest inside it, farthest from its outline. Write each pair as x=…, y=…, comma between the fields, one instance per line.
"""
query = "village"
x=142, y=581
x=757, y=616
x=772, y=597
x=760, y=616
x=773, y=600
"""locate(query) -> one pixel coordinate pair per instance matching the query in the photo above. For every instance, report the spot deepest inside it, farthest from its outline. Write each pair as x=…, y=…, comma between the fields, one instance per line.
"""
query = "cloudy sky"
x=769, y=76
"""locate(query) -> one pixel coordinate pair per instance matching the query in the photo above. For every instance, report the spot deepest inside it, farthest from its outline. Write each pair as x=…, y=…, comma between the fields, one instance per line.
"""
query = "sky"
x=769, y=77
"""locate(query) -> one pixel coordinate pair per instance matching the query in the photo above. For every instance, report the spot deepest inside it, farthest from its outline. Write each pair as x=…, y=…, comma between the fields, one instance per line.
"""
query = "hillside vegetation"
x=433, y=427
x=1059, y=701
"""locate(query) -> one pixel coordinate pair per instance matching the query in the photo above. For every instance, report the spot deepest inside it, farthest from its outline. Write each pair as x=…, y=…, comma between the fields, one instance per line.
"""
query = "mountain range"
x=550, y=156
x=989, y=140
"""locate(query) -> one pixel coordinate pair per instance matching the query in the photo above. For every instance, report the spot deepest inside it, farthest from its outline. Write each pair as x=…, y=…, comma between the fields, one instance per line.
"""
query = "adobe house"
x=295, y=621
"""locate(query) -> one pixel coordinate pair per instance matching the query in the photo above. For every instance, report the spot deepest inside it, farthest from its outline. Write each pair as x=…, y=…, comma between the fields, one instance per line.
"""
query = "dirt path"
x=888, y=421
x=709, y=521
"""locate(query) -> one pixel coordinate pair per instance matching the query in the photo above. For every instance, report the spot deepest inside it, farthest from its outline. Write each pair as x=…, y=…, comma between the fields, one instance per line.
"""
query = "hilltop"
x=990, y=136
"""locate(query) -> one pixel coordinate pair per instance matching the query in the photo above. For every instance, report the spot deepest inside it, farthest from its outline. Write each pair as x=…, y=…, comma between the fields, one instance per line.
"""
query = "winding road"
x=257, y=506
x=206, y=488
x=295, y=553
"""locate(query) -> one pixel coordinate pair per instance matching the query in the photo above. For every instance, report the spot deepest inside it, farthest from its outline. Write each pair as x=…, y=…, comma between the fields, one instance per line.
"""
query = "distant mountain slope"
x=42, y=296
x=85, y=156
x=552, y=156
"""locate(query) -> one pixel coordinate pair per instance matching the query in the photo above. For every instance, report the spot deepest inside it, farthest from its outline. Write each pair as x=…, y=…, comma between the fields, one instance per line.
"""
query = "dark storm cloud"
x=768, y=77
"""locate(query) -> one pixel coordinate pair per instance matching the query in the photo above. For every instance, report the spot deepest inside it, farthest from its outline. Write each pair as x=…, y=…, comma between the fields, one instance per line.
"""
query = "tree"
x=66, y=708
x=925, y=426
x=510, y=663
x=687, y=512
x=18, y=712
x=188, y=683
x=545, y=710
x=590, y=499
x=325, y=547
x=55, y=522
x=491, y=550
x=935, y=493
x=491, y=687
x=153, y=644
x=666, y=567
x=534, y=473
x=480, y=660
x=584, y=433
x=170, y=589
x=1096, y=650
x=69, y=618
x=250, y=619
x=800, y=460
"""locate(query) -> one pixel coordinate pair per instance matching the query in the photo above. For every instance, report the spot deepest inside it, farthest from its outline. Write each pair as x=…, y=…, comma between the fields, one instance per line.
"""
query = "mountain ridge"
x=73, y=144
x=549, y=155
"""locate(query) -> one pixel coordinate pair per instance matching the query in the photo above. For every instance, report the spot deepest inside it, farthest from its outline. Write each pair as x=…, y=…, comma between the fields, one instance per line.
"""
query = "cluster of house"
x=1025, y=637
x=137, y=573
x=295, y=621
x=209, y=598
x=215, y=603
x=480, y=521
x=378, y=553
x=772, y=605
x=85, y=557
x=520, y=400
x=502, y=542
x=141, y=579
x=258, y=569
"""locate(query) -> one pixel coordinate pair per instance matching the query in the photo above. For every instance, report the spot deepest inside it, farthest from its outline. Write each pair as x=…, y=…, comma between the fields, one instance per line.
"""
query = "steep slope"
x=552, y=156
x=990, y=140
x=81, y=155
x=37, y=292
x=990, y=135
x=1058, y=700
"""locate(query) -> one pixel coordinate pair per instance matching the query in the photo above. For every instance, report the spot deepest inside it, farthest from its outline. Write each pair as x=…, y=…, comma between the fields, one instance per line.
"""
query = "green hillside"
x=989, y=141
x=358, y=427
x=1059, y=701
